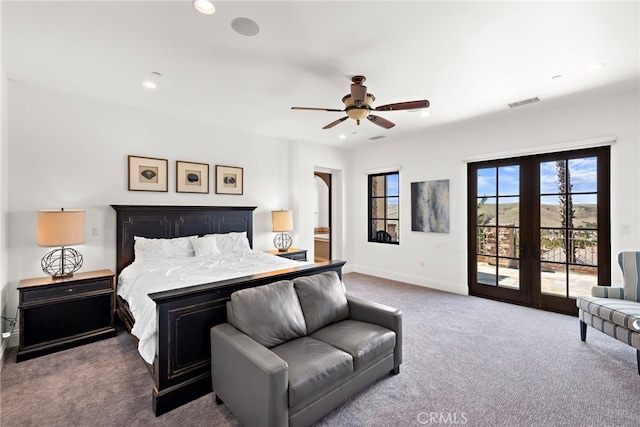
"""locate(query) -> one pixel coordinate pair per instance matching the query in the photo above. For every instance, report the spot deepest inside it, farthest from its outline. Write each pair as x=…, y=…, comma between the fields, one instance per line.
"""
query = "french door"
x=539, y=228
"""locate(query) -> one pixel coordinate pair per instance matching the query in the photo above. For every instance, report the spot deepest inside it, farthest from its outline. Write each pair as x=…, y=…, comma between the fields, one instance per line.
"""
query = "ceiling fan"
x=358, y=106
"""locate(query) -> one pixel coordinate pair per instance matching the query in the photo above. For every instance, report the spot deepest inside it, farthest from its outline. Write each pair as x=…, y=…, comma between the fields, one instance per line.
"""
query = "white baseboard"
x=6, y=343
x=427, y=282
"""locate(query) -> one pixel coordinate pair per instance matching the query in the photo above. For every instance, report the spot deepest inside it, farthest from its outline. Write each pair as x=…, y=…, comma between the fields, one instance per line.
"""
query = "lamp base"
x=62, y=262
x=282, y=242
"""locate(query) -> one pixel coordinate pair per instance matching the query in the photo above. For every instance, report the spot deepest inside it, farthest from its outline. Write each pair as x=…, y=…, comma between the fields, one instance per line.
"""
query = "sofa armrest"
x=379, y=314
x=249, y=378
x=607, y=292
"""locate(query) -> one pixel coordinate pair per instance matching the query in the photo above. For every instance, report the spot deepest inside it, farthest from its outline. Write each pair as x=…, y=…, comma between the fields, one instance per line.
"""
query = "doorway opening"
x=322, y=223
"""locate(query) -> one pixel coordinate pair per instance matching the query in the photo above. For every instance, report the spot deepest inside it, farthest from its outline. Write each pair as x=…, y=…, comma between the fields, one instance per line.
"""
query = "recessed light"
x=595, y=66
x=151, y=83
x=245, y=27
x=204, y=6
x=342, y=136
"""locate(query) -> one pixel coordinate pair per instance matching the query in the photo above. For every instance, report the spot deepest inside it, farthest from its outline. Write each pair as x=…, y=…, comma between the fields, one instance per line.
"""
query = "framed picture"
x=192, y=177
x=430, y=206
x=228, y=180
x=147, y=174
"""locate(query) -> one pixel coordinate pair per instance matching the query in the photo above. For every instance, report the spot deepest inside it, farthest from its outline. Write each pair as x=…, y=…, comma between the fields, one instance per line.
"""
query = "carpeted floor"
x=467, y=361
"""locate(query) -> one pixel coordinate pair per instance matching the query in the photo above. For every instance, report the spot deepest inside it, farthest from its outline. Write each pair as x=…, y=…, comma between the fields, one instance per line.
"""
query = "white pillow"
x=205, y=247
x=146, y=248
x=230, y=242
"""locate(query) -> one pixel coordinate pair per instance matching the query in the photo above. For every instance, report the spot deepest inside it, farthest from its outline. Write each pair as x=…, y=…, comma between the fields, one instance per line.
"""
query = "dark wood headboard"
x=175, y=221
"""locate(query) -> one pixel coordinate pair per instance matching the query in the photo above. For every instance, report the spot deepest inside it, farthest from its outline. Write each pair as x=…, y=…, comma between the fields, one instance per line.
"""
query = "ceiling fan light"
x=204, y=6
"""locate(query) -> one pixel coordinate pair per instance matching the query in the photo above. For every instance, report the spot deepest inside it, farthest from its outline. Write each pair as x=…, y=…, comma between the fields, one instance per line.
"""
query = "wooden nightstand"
x=292, y=253
x=56, y=314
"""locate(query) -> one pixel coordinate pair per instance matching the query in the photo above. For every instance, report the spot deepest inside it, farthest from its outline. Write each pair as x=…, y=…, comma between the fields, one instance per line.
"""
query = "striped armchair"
x=615, y=310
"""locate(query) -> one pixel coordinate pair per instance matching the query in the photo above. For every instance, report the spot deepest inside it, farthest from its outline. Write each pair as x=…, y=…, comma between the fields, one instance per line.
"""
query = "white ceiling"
x=468, y=59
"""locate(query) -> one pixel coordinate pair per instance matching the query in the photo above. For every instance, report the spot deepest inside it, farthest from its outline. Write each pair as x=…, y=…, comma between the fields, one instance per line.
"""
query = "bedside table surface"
x=288, y=251
x=43, y=281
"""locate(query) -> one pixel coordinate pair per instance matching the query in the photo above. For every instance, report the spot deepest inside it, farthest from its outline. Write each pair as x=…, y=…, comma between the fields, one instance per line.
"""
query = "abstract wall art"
x=430, y=206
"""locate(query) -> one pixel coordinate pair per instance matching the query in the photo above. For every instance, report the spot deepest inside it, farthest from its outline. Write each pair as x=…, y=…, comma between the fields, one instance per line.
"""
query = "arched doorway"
x=322, y=221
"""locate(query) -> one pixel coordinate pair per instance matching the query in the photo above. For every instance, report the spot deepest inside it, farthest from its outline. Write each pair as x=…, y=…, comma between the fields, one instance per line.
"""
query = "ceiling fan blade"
x=380, y=121
x=332, y=124
x=409, y=105
x=358, y=94
x=317, y=109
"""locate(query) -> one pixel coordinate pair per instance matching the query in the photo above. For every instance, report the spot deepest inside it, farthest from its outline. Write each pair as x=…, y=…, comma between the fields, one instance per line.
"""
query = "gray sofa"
x=293, y=351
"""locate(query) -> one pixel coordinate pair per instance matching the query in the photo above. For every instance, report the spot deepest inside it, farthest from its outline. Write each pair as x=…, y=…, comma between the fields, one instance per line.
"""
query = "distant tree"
x=567, y=212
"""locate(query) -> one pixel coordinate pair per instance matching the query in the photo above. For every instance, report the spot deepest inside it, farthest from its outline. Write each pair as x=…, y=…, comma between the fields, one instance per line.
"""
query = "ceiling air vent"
x=373, y=138
x=524, y=102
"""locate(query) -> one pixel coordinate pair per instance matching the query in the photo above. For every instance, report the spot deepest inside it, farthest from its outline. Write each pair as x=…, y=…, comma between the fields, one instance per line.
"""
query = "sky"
x=582, y=172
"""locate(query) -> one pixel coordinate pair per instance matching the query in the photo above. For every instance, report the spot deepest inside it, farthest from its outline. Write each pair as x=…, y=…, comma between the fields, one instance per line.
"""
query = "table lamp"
x=282, y=221
x=61, y=228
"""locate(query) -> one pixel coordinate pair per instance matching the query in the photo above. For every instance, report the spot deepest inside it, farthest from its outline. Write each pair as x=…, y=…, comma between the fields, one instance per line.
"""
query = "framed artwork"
x=147, y=174
x=228, y=180
x=192, y=177
x=430, y=206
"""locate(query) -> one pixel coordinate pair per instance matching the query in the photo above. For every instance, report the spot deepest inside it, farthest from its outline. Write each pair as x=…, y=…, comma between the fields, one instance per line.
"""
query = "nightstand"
x=56, y=314
x=292, y=253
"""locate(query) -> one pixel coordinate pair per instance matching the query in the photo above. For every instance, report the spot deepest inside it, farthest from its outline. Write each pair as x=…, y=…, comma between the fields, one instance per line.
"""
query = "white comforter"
x=145, y=277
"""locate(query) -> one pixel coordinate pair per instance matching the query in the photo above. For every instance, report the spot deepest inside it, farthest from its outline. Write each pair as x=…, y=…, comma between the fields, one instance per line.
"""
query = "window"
x=384, y=206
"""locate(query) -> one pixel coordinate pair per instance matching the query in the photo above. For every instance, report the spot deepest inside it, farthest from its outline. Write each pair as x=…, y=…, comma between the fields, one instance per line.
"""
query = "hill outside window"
x=384, y=207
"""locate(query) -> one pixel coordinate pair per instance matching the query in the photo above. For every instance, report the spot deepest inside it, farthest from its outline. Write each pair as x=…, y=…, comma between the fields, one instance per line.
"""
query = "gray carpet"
x=467, y=361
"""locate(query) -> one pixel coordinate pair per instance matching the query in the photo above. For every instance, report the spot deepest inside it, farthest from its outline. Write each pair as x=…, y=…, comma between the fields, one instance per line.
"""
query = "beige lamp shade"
x=61, y=228
x=282, y=221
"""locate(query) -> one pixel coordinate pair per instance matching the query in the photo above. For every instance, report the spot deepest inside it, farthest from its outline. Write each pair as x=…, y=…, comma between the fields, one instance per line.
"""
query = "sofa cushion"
x=619, y=312
x=322, y=299
x=365, y=342
x=314, y=367
x=270, y=314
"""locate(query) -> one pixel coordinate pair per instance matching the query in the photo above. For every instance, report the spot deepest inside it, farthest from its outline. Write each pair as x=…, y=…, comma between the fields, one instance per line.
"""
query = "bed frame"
x=181, y=369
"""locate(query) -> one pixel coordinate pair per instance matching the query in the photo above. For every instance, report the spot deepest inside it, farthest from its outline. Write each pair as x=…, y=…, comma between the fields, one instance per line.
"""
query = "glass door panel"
x=539, y=228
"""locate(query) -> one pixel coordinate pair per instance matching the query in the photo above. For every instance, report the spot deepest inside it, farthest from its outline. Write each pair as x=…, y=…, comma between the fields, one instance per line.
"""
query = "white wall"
x=70, y=151
x=439, y=156
x=4, y=310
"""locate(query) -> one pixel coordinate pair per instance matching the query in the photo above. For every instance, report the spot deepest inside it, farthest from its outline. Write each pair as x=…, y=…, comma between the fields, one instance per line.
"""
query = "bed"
x=183, y=316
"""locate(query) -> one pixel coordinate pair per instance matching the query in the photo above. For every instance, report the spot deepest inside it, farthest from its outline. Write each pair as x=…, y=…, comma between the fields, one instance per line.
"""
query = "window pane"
x=392, y=184
x=583, y=174
x=585, y=208
x=376, y=226
x=487, y=182
x=581, y=280
x=509, y=273
x=507, y=241
x=377, y=208
x=550, y=211
x=490, y=239
x=393, y=230
x=509, y=180
x=549, y=183
x=585, y=247
x=377, y=186
x=486, y=211
x=552, y=245
x=392, y=207
x=486, y=268
x=553, y=279
x=509, y=211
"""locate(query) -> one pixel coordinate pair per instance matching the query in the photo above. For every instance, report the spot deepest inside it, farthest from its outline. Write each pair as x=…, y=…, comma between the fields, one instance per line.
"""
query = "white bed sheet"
x=145, y=277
